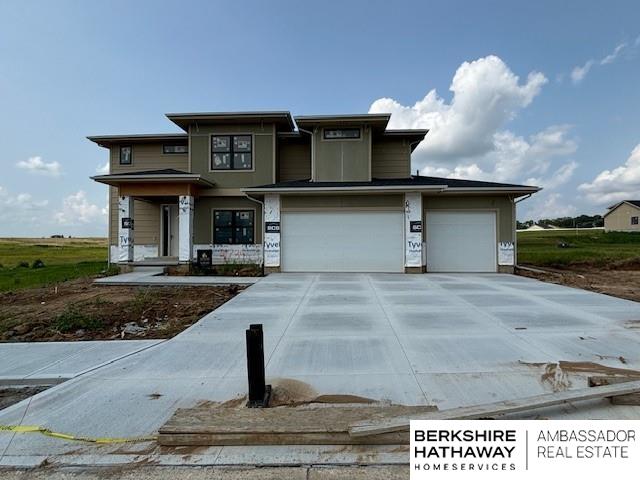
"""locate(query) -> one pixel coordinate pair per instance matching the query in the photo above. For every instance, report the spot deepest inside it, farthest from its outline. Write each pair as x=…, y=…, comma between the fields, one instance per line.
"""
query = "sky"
x=542, y=93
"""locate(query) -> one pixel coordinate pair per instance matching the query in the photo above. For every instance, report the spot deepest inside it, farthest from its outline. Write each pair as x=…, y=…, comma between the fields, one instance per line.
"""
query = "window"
x=231, y=152
x=634, y=220
x=232, y=227
x=126, y=155
x=175, y=148
x=341, y=133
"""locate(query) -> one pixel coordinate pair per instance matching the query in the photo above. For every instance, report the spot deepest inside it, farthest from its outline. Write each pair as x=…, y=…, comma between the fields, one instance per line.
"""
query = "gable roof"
x=634, y=203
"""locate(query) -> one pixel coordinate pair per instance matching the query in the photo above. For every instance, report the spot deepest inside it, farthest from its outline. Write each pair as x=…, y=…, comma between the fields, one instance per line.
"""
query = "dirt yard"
x=614, y=282
x=79, y=310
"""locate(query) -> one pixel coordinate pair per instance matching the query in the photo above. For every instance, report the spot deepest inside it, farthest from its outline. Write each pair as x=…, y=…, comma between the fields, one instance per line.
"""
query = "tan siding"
x=303, y=202
x=263, y=152
x=620, y=219
x=147, y=157
x=294, y=160
x=341, y=160
x=390, y=159
x=146, y=217
x=146, y=223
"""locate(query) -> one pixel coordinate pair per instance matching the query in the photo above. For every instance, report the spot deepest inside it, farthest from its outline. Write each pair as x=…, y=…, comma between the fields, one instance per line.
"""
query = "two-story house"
x=305, y=194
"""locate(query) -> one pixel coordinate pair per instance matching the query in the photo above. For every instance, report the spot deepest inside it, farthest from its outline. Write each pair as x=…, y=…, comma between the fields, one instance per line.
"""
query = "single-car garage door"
x=461, y=241
x=352, y=241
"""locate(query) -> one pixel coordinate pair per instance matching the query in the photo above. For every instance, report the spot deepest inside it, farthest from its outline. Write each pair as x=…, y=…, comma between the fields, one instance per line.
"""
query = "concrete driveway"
x=449, y=340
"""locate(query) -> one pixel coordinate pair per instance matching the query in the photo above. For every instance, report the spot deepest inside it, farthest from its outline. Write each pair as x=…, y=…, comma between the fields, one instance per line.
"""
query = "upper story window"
x=175, y=148
x=231, y=152
x=126, y=155
x=634, y=220
x=341, y=133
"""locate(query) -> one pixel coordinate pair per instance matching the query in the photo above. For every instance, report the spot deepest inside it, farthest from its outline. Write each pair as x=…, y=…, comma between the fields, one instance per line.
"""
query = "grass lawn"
x=583, y=247
x=64, y=259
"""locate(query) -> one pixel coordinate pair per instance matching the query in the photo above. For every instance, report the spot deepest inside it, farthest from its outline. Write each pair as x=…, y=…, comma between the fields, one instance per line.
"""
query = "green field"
x=63, y=259
x=566, y=248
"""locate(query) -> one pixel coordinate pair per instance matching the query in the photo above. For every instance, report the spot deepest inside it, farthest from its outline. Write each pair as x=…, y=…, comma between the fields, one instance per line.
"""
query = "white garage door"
x=342, y=242
x=461, y=241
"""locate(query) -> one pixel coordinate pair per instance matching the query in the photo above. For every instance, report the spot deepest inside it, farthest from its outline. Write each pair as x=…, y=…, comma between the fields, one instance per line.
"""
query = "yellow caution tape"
x=65, y=436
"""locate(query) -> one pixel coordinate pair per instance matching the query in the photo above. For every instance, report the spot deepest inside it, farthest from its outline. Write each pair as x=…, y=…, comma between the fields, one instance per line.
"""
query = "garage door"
x=342, y=242
x=461, y=241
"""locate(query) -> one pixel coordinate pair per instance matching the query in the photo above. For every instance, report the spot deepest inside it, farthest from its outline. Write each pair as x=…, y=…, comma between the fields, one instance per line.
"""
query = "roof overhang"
x=377, y=121
x=348, y=189
x=282, y=119
x=438, y=189
x=108, y=140
x=116, y=179
x=414, y=136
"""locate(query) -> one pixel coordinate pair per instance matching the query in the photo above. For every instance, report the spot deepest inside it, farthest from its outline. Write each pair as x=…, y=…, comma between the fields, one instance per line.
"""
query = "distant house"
x=623, y=217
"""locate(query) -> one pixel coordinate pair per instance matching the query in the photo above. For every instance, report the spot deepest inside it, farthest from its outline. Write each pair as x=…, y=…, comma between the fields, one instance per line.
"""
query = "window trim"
x=168, y=144
x=234, y=210
x=130, y=147
x=344, y=139
x=232, y=134
x=637, y=220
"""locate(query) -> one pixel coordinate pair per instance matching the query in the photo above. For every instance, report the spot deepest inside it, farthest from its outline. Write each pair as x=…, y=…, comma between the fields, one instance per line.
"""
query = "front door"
x=169, y=231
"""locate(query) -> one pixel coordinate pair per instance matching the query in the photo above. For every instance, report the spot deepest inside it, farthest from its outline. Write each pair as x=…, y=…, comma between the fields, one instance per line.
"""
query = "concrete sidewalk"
x=147, y=276
x=52, y=362
x=449, y=340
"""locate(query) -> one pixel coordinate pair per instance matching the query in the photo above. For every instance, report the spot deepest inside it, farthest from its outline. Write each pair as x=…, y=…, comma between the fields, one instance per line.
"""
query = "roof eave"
x=359, y=189
x=184, y=119
x=156, y=178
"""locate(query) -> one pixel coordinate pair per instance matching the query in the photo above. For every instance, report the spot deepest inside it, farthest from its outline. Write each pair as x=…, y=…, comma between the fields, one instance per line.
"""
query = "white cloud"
x=613, y=56
x=76, y=209
x=551, y=206
x=37, y=166
x=579, y=72
x=468, y=136
x=486, y=94
x=621, y=183
x=558, y=178
x=103, y=169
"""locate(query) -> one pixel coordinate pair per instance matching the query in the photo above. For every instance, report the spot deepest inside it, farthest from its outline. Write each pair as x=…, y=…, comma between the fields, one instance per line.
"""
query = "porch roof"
x=167, y=175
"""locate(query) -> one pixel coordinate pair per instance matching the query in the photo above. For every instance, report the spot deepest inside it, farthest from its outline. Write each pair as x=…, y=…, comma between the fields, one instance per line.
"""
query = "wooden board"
x=629, y=399
x=401, y=423
x=326, y=425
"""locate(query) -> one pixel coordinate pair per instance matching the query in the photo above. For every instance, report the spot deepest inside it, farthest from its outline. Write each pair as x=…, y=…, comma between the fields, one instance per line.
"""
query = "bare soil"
x=623, y=283
x=80, y=310
x=11, y=395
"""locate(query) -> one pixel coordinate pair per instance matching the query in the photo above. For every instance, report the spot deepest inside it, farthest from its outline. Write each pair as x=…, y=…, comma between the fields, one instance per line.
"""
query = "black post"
x=258, y=392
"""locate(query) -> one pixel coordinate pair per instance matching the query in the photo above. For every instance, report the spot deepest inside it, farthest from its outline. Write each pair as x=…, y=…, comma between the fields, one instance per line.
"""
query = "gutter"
x=390, y=188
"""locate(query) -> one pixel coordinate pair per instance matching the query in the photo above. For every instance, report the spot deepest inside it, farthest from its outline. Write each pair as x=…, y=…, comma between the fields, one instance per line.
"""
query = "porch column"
x=185, y=228
x=125, y=229
x=271, y=233
x=413, y=232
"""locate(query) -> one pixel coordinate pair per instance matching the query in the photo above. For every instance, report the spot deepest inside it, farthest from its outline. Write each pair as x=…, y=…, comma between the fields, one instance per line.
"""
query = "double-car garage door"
x=361, y=241
x=342, y=241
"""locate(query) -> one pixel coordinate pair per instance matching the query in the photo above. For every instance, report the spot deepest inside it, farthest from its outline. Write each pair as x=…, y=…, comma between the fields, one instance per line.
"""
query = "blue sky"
x=542, y=91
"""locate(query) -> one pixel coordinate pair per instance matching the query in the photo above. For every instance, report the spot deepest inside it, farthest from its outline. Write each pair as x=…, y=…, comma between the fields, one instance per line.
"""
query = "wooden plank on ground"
x=325, y=425
x=629, y=399
x=401, y=423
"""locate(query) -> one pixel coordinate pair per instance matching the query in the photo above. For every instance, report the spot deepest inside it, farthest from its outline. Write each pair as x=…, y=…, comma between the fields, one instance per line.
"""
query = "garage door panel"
x=461, y=241
x=342, y=241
